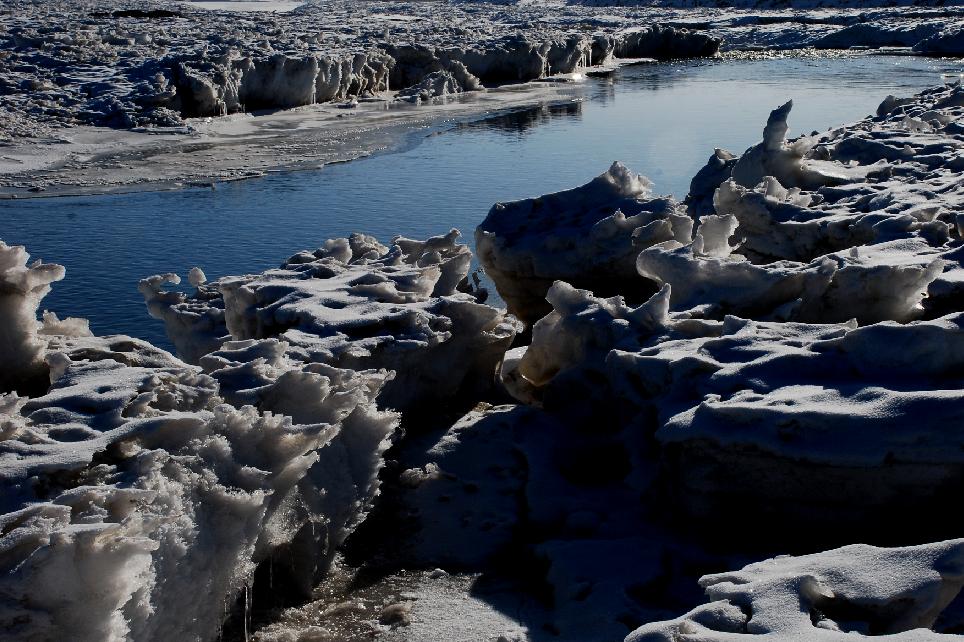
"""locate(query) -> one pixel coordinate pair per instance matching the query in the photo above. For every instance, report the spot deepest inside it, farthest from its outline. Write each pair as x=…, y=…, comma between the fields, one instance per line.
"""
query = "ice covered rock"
x=354, y=304
x=852, y=592
x=588, y=236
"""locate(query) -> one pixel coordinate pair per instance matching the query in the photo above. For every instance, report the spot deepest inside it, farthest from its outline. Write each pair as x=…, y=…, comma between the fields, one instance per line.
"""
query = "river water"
x=661, y=120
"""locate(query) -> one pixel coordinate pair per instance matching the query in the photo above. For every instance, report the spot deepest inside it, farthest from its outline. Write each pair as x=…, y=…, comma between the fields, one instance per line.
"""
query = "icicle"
x=247, y=612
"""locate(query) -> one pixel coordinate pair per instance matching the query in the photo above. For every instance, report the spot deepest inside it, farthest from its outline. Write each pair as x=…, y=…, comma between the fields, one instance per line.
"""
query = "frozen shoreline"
x=93, y=160
x=143, y=72
x=738, y=414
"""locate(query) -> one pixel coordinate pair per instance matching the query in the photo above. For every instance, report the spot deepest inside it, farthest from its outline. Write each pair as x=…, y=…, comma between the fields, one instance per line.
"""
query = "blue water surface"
x=661, y=120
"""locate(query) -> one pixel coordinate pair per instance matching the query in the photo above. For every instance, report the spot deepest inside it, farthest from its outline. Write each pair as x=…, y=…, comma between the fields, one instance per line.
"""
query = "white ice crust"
x=775, y=364
x=357, y=304
x=801, y=357
x=854, y=591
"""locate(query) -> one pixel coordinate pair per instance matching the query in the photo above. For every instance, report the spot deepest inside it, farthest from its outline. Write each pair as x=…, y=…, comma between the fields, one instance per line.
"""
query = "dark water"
x=662, y=121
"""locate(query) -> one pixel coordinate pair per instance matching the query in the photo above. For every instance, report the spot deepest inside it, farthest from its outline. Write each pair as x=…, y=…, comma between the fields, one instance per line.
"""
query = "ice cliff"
x=98, y=62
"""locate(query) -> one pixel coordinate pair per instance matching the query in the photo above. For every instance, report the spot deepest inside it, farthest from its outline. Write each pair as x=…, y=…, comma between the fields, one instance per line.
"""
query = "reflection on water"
x=661, y=120
x=522, y=120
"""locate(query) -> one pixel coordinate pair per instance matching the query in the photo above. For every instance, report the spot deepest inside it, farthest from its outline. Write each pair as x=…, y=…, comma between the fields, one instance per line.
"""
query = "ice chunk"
x=137, y=503
x=588, y=237
x=847, y=593
x=22, y=287
x=354, y=304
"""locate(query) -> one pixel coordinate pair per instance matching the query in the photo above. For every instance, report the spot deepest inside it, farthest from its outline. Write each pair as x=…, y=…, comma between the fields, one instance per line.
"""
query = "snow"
x=108, y=65
x=22, y=287
x=773, y=366
x=799, y=364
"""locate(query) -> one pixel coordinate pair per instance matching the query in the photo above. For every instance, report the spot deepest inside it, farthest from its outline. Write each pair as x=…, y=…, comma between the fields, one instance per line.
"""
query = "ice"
x=773, y=366
x=137, y=503
x=850, y=592
x=795, y=380
x=437, y=84
x=22, y=287
x=474, y=466
x=588, y=236
x=354, y=304
x=98, y=62
x=870, y=283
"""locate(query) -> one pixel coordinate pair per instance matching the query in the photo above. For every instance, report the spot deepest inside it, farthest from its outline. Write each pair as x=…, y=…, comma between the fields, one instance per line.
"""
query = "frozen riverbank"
x=636, y=118
x=95, y=160
x=99, y=97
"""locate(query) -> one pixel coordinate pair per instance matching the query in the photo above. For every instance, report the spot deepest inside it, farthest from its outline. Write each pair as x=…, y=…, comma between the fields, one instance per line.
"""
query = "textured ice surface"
x=100, y=62
x=137, y=503
x=726, y=394
x=849, y=592
x=798, y=366
x=22, y=287
x=357, y=304
x=588, y=236
x=777, y=369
